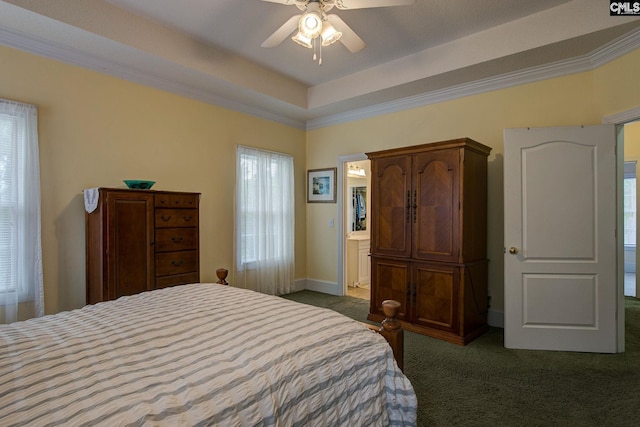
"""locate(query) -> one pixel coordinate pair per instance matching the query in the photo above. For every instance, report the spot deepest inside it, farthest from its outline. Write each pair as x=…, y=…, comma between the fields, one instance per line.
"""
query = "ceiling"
x=210, y=49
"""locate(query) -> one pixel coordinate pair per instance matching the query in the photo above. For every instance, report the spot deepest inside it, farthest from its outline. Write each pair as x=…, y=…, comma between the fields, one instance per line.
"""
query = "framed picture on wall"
x=321, y=185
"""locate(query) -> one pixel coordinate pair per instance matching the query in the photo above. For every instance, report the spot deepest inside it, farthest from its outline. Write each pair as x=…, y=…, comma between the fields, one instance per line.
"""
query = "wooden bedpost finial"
x=390, y=309
x=222, y=275
x=392, y=330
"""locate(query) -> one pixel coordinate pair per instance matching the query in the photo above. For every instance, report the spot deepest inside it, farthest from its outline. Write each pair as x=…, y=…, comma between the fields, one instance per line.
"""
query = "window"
x=20, y=247
x=264, y=220
x=629, y=203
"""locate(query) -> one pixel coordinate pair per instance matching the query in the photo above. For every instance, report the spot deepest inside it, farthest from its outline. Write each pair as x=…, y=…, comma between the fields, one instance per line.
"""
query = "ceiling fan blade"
x=362, y=4
x=349, y=38
x=281, y=33
x=287, y=2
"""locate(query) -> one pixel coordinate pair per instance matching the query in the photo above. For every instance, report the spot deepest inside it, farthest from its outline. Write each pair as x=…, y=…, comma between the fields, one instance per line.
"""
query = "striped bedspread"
x=200, y=354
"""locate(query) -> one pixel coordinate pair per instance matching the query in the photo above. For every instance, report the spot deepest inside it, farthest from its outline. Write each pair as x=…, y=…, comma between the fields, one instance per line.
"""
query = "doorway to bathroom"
x=356, y=226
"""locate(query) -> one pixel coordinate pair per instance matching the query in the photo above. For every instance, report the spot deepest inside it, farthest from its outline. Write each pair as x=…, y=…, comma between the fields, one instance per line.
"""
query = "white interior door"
x=560, y=242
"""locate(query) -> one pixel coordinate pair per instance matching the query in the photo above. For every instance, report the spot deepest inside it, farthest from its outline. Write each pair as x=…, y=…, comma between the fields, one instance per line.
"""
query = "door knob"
x=513, y=250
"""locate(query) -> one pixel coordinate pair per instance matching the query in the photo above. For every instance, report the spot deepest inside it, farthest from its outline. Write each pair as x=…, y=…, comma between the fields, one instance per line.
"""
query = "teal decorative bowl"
x=139, y=184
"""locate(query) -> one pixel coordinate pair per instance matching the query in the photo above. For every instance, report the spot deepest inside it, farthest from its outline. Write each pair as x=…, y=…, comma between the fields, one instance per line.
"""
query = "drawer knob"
x=176, y=239
x=187, y=218
x=177, y=263
x=165, y=218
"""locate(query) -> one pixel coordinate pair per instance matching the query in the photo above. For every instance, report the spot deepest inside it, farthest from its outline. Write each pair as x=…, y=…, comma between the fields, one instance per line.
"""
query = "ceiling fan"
x=315, y=25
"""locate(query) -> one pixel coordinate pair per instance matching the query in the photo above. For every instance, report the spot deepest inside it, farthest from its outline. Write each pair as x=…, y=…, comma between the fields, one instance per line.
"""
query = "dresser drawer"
x=176, y=239
x=178, y=279
x=167, y=218
x=177, y=200
x=170, y=263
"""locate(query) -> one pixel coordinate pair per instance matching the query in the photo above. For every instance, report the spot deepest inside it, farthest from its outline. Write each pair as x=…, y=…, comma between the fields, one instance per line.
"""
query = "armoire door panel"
x=436, y=289
x=435, y=230
x=391, y=194
x=389, y=281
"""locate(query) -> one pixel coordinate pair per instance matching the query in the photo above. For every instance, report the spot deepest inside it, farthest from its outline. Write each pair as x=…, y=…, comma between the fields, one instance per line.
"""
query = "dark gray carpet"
x=485, y=384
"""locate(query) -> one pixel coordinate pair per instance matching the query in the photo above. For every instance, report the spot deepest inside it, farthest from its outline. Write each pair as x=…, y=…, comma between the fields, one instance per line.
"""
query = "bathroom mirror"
x=358, y=208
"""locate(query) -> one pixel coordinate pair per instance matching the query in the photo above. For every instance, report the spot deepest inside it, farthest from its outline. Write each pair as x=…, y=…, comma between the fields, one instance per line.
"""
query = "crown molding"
x=615, y=49
x=589, y=62
x=622, y=117
x=68, y=55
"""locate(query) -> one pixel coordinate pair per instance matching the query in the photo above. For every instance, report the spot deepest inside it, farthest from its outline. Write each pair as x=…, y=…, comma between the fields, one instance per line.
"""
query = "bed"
x=200, y=354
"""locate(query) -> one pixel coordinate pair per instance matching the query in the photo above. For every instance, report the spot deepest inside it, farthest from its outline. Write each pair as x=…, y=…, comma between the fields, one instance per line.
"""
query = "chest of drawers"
x=139, y=240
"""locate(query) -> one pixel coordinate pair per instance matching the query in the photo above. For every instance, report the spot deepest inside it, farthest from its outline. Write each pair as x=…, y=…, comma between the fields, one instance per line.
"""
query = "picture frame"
x=321, y=185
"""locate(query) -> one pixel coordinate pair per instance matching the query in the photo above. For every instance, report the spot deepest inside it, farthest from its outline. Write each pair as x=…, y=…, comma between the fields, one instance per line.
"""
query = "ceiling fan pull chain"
x=320, y=60
x=315, y=56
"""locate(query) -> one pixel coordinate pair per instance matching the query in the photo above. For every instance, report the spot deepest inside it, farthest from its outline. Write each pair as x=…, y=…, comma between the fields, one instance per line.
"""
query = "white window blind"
x=20, y=247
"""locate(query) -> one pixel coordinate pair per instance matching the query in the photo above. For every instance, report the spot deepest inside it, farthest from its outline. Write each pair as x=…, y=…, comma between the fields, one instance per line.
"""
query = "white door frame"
x=342, y=216
x=619, y=120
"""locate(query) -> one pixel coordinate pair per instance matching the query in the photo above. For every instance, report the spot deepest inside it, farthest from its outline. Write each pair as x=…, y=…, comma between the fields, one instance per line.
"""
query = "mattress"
x=196, y=355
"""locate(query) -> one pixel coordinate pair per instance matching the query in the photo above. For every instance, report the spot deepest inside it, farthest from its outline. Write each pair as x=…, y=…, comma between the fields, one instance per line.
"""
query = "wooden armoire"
x=139, y=240
x=429, y=237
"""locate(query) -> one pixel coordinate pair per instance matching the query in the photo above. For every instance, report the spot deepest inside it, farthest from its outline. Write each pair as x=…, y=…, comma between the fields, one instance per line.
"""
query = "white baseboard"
x=299, y=285
x=330, y=288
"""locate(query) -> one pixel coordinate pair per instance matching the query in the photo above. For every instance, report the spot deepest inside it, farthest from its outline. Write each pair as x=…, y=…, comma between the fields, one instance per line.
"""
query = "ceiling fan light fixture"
x=329, y=34
x=302, y=40
x=311, y=21
x=310, y=25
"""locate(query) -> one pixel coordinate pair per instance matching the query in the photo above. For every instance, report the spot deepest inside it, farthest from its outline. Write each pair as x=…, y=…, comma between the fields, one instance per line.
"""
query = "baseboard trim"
x=325, y=287
x=299, y=285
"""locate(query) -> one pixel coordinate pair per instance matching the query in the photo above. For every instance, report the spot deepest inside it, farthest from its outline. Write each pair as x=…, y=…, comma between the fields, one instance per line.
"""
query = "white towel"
x=91, y=196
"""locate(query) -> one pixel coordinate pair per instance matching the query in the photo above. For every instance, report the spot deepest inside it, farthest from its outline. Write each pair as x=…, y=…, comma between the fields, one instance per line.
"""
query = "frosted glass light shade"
x=302, y=40
x=329, y=34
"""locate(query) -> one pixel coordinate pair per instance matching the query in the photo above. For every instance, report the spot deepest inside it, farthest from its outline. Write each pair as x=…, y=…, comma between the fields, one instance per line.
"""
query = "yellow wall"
x=96, y=130
x=571, y=100
x=632, y=141
x=617, y=85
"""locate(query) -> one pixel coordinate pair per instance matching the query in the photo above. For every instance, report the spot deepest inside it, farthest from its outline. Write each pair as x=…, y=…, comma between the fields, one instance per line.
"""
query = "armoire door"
x=390, y=279
x=130, y=253
x=435, y=296
x=436, y=205
x=391, y=200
